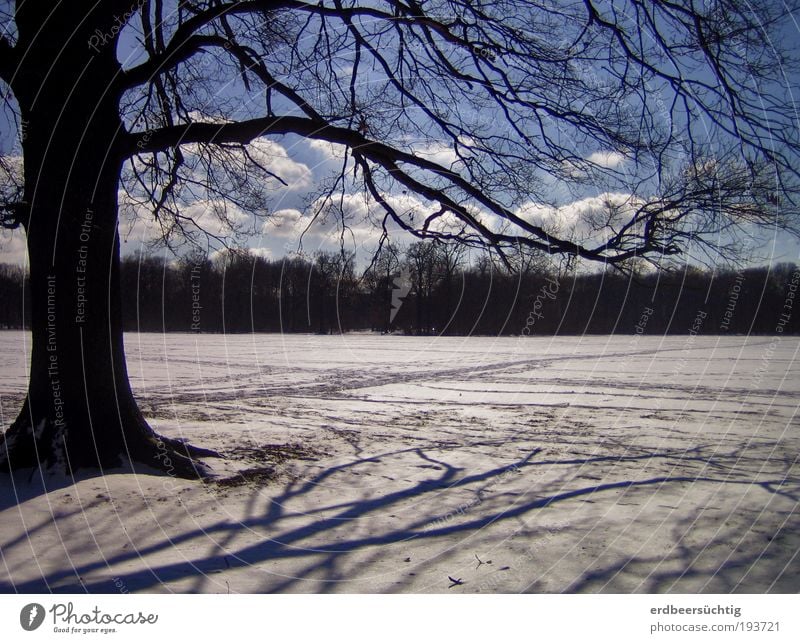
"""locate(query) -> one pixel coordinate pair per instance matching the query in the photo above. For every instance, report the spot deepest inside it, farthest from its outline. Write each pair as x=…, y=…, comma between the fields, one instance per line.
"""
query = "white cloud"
x=584, y=209
x=275, y=158
x=215, y=217
x=284, y=223
x=136, y=234
x=272, y=156
x=541, y=215
x=330, y=151
x=587, y=218
x=362, y=220
x=138, y=226
x=607, y=159
x=264, y=253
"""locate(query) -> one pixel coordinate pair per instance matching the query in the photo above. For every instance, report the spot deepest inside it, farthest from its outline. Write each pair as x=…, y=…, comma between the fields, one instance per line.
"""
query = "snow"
x=388, y=464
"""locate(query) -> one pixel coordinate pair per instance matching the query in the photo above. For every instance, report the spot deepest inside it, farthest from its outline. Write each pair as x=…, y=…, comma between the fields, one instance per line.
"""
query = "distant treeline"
x=430, y=289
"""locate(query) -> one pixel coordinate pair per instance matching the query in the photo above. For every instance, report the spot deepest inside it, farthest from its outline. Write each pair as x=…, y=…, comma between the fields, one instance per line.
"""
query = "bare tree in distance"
x=456, y=121
x=333, y=278
x=385, y=281
x=450, y=257
x=422, y=263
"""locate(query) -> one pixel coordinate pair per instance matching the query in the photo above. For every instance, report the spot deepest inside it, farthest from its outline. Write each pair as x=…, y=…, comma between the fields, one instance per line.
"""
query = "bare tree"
x=450, y=258
x=457, y=120
x=332, y=278
x=384, y=281
x=421, y=263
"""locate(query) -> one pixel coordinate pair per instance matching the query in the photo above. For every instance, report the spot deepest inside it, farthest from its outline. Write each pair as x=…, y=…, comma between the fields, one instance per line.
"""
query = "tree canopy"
x=483, y=122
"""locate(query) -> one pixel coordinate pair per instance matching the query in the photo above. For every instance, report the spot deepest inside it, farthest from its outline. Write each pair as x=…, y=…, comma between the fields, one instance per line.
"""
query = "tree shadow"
x=306, y=535
x=729, y=562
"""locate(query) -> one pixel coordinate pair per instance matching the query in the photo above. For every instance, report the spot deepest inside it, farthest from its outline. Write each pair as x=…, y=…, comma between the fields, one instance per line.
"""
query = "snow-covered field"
x=388, y=464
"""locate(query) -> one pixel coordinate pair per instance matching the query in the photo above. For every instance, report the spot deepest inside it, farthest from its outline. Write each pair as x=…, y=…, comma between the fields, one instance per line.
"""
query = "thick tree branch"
x=200, y=20
x=186, y=42
x=432, y=79
x=388, y=157
x=175, y=53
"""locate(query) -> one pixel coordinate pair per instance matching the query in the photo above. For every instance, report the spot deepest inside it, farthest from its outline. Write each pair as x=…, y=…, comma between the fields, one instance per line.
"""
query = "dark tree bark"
x=79, y=410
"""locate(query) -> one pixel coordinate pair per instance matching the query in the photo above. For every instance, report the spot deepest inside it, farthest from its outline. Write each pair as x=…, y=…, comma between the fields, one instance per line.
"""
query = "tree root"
x=23, y=448
x=175, y=458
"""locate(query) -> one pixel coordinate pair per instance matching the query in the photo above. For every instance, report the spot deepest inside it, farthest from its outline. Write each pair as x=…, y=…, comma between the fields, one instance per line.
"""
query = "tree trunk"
x=79, y=410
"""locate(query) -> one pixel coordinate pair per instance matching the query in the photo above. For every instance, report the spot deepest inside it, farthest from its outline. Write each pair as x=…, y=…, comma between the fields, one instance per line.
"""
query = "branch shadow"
x=324, y=537
x=731, y=562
